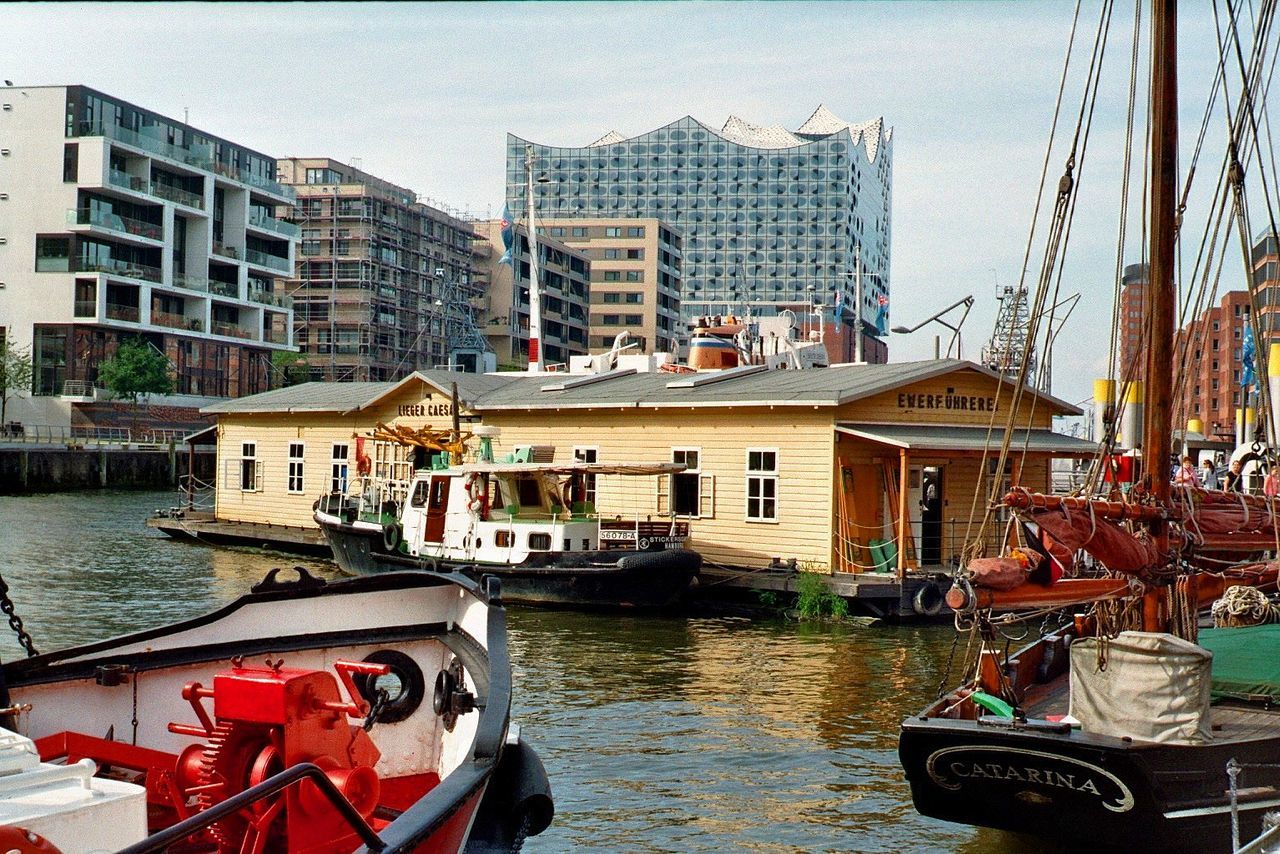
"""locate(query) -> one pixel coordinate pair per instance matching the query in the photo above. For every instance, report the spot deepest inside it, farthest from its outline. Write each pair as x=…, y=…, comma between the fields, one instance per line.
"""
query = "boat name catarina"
x=966, y=402
x=1085, y=778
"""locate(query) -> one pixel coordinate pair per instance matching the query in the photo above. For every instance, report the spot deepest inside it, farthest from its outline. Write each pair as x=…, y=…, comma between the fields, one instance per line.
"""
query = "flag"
x=1246, y=357
x=508, y=235
x=839, y=305
x=882, y=316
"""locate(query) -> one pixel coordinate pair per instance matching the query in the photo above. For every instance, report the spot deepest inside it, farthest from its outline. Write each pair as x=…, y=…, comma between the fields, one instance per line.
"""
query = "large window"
x=296, y=465
x=249, y=467
x=762, y=485
x=690, y=491
x=586, y=492
x=53, y=254
x=338, y=479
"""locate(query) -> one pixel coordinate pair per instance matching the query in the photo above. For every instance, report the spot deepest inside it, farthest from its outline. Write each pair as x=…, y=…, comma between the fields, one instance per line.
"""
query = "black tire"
x=927, y=601
x=390, y=537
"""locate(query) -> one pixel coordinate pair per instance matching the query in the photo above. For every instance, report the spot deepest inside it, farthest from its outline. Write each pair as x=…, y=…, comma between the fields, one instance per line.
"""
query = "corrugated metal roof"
x=351, y=396
x=941, y=437
x=814, y=387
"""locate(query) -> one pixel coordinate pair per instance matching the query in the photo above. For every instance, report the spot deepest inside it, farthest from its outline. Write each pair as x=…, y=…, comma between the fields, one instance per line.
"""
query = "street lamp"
x=956, y=340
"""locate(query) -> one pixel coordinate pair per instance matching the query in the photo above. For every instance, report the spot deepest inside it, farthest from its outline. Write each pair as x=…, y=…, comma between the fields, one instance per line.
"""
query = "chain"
x=15, y=622
x=376, y=708
x=521, y=832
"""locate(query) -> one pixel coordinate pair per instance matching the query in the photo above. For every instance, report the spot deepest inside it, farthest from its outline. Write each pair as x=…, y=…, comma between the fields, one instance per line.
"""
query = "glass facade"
x=764, y=228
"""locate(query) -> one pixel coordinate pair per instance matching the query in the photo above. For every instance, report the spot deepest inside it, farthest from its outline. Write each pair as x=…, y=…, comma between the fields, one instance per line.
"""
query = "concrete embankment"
x=44, y=469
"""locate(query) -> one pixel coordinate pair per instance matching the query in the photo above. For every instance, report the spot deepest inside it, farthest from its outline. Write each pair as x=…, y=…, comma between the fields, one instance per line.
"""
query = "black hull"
x=598, y=579
x=1086, y=791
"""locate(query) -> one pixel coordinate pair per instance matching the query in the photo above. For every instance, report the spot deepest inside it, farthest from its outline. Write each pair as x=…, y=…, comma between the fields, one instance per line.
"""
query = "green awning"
x=1245, y=663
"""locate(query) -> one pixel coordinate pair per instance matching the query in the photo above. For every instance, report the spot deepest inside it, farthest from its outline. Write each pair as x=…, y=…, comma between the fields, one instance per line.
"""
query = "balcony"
x=176, y=195
x=86, y=308
x=116, y=267
x=127, y=313
x=114, y=222
x=279, y=226
x=190, y=282
x=263, y=259
x=169, y=319
x=226, y=251
x=265, y=184
x=271, y=298
x=224, y=289
x=128, y=182
x=230, y=330
x=275, y=336
x=201, y=159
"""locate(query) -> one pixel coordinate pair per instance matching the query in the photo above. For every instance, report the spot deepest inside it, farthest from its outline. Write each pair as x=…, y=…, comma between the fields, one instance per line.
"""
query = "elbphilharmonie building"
x=771, y=218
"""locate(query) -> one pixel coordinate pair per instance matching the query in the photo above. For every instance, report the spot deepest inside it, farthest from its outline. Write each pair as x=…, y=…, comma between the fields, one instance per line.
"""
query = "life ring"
x=474, y=486
x=927, y=600
x=390, y=537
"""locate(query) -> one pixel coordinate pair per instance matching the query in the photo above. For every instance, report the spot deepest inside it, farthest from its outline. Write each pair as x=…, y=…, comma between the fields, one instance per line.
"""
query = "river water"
x=683, y=733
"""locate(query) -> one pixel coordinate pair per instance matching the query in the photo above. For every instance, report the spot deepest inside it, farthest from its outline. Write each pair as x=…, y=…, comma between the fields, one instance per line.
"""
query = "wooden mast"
x=1161, y=298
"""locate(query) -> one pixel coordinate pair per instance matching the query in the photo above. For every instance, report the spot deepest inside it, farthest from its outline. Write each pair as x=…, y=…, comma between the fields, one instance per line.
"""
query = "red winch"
x=265, y=719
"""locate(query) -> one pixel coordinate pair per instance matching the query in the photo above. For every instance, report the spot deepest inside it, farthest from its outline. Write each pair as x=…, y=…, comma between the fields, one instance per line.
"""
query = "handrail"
x=272, y=785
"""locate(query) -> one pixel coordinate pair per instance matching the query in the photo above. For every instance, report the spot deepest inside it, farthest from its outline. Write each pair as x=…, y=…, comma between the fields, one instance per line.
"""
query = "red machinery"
x=265, y=719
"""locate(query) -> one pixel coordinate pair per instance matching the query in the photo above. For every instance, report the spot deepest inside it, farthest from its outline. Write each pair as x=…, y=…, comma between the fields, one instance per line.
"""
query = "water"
x=659, y=734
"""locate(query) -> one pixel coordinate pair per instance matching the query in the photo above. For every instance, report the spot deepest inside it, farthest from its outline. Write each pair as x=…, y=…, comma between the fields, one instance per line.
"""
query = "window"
x=557, y=231
x=762, y=485
x=635, y=319
x=323, y=176
x=70, y=161
x=611, y=254
x=690, y=492
x=635, y=231
x=612, y=298
x=586, y=490
x=338, y=479
x=635, y=299
x=53, y=254
x=580, y=231
x=611, y=319
x=612, y=276
x=635, y=254
x=635, y=275
x=295, y=467
x=248, y=467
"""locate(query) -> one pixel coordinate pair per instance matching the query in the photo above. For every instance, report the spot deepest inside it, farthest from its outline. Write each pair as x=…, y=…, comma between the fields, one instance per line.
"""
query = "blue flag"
x=508, y=235
x=839, y=305
x=1247, y=358
x=882, y=316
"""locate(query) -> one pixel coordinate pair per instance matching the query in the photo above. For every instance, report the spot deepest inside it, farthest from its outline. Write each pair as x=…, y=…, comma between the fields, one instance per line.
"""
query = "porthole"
x=404, y=685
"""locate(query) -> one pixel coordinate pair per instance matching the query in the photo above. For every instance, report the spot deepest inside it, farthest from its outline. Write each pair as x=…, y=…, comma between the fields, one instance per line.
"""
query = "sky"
x=423, y=96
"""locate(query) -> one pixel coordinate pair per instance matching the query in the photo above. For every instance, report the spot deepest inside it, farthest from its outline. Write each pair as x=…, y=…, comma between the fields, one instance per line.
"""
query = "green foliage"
x=138, y=368
x=290, y=368
x=816, y=601
x=768, y=598
x=16, y=372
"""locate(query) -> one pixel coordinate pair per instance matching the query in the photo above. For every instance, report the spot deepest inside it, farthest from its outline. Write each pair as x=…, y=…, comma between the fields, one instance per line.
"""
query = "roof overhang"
x=413, y=377
x=968, y=441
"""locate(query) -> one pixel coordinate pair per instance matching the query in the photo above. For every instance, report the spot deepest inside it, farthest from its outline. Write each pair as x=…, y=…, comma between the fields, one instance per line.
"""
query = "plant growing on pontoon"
x=16, y=372
x=816, y=601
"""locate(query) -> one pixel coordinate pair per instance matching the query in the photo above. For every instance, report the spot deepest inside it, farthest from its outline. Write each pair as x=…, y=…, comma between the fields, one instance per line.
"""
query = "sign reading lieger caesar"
x=425, y=410
x=956, y=402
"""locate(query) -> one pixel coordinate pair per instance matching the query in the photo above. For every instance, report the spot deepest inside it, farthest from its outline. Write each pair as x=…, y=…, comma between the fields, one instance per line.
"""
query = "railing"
x=128, y=313
x=252, y=180
x=114, y=222
x=78, y=388
x=191, y=282
x=168, y=318
x=175, y=194
x=275, y=336
x=199, y=159
x=279, y=226
x=226, y=251
x=117, y=267
x=264, y=259
x=128, y=182
x=224, y=289
x=230, y=329
x=271, y=298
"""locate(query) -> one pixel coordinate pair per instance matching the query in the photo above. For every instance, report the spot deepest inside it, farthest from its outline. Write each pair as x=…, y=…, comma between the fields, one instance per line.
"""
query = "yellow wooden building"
x=827, y=469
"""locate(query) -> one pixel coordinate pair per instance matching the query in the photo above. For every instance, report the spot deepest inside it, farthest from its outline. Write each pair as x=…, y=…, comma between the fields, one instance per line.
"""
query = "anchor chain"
x=380, y=698
x=15, y=622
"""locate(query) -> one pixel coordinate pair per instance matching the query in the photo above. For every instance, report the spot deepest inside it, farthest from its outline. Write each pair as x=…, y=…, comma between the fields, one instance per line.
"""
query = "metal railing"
x=127, y=313
x=176, y=194
x=226, y=251
x=116, y=267
x=191, y=282
x=271, y=298
x=78, y=388
x=199, y=158
x=16, y=431
x=279, y=226
x=128, y=182
x=224, y=289
x=169, y=319
x=230, y=329
x=114, y=222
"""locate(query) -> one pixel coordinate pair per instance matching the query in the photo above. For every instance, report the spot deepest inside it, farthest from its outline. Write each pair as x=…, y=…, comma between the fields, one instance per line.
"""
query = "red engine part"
x=267, y=719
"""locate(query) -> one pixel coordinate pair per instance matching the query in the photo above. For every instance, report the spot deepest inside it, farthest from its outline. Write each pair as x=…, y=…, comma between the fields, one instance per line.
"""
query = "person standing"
x=1271, y=486
x=1210, y=475
x=1186, y=474
x=1234, y=481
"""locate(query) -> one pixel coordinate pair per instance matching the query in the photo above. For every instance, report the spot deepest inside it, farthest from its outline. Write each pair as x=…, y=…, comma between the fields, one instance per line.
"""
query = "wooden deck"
x=203, y=527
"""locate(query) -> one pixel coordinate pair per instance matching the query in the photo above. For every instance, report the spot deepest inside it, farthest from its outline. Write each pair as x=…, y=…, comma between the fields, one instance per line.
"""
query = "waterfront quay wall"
x=66, y=469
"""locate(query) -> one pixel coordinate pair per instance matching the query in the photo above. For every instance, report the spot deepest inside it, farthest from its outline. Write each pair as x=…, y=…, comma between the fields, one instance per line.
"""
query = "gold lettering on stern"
x=975, y=764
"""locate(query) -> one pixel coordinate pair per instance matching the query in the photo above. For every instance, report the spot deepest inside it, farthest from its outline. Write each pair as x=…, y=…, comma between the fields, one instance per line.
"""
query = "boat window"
x=502, y=539
x=439, y=492
x=527, y=492
x=419, y=494
x=540, y=542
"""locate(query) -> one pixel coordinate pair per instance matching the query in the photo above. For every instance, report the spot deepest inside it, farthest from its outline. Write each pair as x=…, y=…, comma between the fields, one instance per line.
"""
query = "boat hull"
x=593, y=579
x=1100, y=792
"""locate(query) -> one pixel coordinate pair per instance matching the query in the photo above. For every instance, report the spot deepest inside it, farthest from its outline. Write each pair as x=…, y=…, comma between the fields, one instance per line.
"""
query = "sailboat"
x=1122, y=725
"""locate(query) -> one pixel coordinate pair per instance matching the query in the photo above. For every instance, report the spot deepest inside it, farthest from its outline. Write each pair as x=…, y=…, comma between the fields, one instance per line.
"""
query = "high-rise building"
x=374, y=268
x=635, y=279
x=565, y=274
x=1209, y=389
x=117, y=222
x=1133, y=300
x=771, y=219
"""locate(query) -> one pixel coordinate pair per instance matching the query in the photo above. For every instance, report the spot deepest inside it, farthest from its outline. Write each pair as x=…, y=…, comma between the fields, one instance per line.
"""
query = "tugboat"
x=369, y=713
x=1122, y=725
x=530, y=524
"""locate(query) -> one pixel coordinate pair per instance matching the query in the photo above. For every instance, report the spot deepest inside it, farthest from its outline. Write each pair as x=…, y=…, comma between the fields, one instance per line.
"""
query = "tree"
x=290, y=368
x=137, y=368
x=16, y=372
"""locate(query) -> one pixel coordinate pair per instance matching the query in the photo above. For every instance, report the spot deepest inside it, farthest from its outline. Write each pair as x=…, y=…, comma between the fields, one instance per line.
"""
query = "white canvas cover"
x=1155, y=688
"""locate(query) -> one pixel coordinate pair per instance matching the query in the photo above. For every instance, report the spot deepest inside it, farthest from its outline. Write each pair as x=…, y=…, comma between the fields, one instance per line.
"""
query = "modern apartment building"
x=118, y=222
x=1133, y=297
x=1210, y=390
x=635, y=280
x=771, y=219
x=566, y=291
x=376, y=275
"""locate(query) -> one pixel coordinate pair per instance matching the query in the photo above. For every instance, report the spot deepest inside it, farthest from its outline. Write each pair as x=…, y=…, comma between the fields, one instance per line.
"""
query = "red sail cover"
x=1226, y=512
x=1113, y=546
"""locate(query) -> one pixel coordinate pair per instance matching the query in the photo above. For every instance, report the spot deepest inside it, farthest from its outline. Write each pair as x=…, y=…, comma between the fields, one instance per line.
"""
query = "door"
x=931, y=516
x=437, y=502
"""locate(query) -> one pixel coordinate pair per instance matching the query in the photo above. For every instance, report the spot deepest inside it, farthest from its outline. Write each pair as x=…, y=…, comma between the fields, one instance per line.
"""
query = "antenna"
x=1008, y=344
